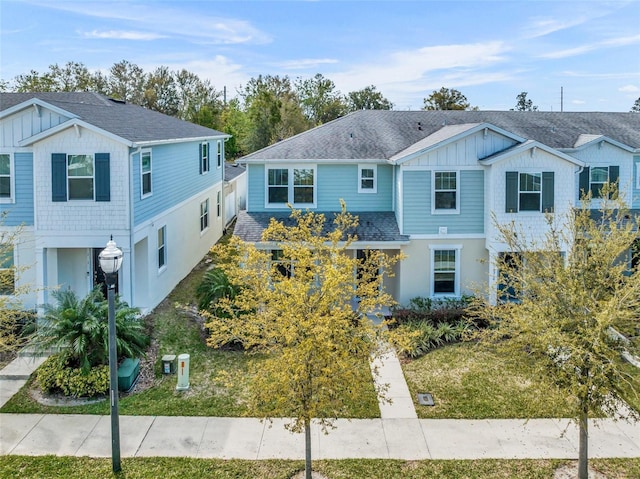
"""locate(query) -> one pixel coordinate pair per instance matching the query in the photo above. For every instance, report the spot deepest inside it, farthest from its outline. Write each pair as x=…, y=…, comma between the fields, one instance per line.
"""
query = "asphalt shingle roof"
x=380, y=134
x=128, y=121
x=372, y=227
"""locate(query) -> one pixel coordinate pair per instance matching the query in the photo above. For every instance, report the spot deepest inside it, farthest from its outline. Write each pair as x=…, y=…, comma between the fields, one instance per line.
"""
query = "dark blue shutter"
x=103, y=177
x=58, y=177
x=614, y=175
x=584, y=181
x=511, y=197
x=200, y=157
x=547, y=192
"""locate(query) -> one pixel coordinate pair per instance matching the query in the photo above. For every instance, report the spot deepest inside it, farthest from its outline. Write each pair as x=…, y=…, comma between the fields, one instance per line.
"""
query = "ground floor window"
x=7, y=270
x=445, y=267
x=162, y=247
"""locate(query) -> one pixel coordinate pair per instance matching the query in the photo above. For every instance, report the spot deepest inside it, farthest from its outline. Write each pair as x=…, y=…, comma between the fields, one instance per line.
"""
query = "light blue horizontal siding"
x=635, y=195
x=337, y=182
x=334, y=182
x=21, y=212
x=417, y=217
x=175, y=177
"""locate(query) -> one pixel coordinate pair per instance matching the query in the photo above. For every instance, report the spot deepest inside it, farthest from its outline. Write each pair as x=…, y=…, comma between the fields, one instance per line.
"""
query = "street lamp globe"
x=110, y=258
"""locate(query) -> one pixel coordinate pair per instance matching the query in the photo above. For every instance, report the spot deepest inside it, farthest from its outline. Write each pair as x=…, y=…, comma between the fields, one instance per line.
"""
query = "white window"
x=204, y=158
x=638, y=176
x=7, y=270
x=445, y=270
x=6, y=178
x=219, y=204
x=204, y=215
x=145, y=173
x=281, y=265
x=367, y=179
x=530, y=191
x=598, y=177
x=162, y=247
x=445, y=192
x=219, y=155
x=291, y=185
x=80, y=177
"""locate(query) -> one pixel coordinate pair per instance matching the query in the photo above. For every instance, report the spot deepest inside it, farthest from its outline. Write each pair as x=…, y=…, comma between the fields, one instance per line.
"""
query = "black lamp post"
x=110, y=261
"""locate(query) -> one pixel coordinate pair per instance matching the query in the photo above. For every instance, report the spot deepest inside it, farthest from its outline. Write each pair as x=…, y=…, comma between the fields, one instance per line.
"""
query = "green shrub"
x=55, y=375
x=416, y=338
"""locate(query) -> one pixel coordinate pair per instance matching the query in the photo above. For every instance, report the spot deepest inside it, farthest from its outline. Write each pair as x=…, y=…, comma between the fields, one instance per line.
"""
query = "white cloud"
x=193, y=25
x=306, y=63
x=613, y=42
x=121, y=35
x=578, y=102
x=629, y=89
x=541, y=27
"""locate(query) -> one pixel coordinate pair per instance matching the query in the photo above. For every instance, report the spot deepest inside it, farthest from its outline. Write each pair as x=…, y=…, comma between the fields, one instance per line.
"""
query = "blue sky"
x=490, y=51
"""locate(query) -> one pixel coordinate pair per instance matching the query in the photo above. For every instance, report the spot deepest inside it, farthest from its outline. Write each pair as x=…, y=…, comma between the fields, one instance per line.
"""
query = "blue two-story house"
x=78, y=168
x=434, y=184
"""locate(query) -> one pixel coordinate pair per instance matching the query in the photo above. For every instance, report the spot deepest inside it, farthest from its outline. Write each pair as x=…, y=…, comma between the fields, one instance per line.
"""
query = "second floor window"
x=5, y=176
x=204, y=157
x=367, y=179
x=445, y=191
x=145, y=172
x=291, y=185
x=529, y=192
x=80, y=177
x=593, y=179
x=219, y=155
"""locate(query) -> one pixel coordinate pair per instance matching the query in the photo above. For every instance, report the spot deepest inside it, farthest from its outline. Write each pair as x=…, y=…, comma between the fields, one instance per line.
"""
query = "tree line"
x=267, y=109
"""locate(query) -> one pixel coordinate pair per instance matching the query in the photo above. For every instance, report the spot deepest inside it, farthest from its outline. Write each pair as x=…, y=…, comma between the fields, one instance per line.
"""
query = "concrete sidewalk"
x=248, y=438
x=397, y=434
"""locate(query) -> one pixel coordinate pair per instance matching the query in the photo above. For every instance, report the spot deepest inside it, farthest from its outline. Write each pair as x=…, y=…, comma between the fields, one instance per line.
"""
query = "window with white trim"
x=530, y=191
x=445, y=270
x=219, y=154
x=162, y=247
x=204, y=215
x=80, y=177
x=445, y=192
x=294, y=185
x=638, y=176
x=7, y=270
x=6, y=178
x=283, y=266
x=367, y=179
x=145, y=173
x=219, y=204
x=204, y=158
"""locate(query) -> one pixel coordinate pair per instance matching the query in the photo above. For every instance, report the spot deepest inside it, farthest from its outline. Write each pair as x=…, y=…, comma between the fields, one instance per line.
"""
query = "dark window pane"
x=303, y=194
x=444, y=283
x=529, y=201
x=81, y=188
x=278, y=194
x=146, y=183
x=5, y=187
x=446, y=200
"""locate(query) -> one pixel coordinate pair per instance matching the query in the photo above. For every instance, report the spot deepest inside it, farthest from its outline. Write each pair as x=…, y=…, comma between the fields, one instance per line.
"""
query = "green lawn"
x=177, y=468
x=176, y=330
x=472, y=382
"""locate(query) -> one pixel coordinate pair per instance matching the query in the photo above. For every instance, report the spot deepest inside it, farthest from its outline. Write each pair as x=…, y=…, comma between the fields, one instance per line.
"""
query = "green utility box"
x=128, y=373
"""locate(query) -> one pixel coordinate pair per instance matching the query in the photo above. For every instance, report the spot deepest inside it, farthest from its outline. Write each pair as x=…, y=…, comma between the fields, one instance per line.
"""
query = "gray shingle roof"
x=372, y=227
x=233, y=170
x=379, y=134
x=131, y=122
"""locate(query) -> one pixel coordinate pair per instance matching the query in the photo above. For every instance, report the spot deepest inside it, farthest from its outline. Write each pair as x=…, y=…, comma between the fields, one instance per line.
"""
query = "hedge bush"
x=55, y=375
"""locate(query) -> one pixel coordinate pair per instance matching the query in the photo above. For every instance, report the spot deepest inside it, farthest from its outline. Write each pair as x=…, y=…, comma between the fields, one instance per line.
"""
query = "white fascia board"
x=398, y=158
x=334, y=161
x=530, y=145
x=597, y=140
x=69, y=124
x=144, y=144
x=35, y=101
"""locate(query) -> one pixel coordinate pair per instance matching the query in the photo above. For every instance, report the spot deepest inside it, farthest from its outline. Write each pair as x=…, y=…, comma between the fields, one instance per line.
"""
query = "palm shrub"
x=80, y=327
x=215, y=285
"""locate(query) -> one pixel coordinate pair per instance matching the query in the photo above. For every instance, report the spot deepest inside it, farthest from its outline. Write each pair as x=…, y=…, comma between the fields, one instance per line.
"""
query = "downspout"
x=132, y=268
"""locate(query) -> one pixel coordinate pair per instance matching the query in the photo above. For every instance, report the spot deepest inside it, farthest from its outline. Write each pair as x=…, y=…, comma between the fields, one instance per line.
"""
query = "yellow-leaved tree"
x=294, y=304
x=16, y=324
x=565, y=298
